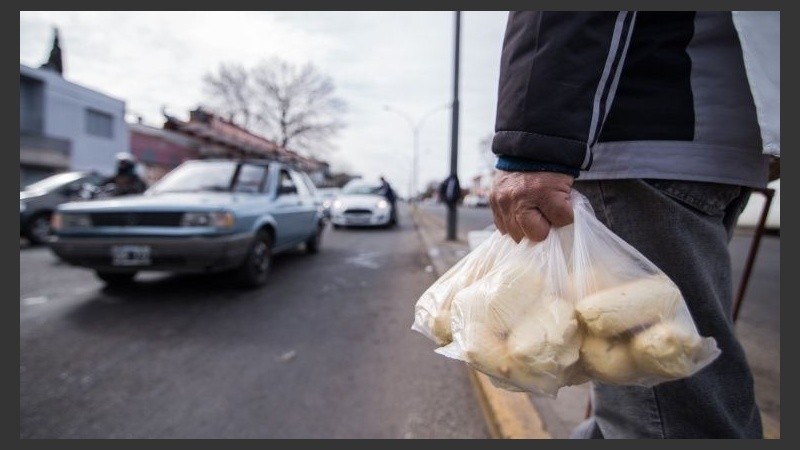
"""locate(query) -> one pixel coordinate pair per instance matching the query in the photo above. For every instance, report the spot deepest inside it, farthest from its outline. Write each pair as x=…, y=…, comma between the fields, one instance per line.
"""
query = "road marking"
x=30, y=301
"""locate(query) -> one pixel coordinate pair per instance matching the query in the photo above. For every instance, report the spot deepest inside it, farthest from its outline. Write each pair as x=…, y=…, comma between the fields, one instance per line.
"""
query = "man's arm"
x=558, y=76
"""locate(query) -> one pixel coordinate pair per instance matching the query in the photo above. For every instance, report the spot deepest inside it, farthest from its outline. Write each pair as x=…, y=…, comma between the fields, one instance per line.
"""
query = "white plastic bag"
x=580, y=305
x=517, y=324
x=432, y=311
x=638, y=328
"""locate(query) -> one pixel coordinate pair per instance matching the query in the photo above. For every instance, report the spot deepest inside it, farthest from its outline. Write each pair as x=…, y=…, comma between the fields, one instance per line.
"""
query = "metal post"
x=415, y=165
x=751, y=257
x=452, y=212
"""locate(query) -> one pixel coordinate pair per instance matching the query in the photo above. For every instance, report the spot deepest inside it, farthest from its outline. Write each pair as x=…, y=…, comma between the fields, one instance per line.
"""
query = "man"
x=654, y=113
x=126, y=181
x=391, y=197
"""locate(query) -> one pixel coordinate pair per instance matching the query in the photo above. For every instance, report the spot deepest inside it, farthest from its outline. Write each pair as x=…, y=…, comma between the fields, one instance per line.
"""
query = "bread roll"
x=670, y=350
x=629, y=306
x=608, y=360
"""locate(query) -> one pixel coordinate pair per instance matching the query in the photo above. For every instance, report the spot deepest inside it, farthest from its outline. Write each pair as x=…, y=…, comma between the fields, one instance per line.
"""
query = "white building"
x=65, y=126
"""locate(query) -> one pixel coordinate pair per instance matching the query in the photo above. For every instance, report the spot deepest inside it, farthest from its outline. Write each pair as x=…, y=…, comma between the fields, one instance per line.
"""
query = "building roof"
x=209, y=126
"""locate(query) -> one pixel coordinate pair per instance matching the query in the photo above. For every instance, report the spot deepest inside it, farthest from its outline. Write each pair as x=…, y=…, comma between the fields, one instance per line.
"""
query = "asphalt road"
x=323, y=351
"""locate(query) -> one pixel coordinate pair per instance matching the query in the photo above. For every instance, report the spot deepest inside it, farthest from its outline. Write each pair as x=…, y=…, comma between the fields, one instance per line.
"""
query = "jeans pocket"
x=711, y=199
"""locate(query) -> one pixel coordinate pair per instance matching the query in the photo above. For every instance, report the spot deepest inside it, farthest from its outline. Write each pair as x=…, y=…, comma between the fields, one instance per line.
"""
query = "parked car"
x=204, y=216
x=476, y=201
x=752, y=211
x=361, y=202
x=326, y=197
x=38, y=201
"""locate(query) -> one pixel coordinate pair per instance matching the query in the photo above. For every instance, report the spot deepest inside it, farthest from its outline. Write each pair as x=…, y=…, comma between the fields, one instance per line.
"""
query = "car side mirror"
x=284, y=190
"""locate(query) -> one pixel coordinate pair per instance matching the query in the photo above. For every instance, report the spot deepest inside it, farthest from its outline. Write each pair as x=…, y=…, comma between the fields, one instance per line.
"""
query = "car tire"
x=37, y=230
x=314, y=242
x=255, y=269
x=336, y=226
x=116, y=278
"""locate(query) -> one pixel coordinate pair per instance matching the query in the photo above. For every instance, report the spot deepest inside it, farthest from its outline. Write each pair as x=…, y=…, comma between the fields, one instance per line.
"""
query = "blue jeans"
x=685, y=229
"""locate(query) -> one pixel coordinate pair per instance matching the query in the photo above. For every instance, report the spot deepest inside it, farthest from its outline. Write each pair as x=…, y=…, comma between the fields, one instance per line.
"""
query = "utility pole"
x=452, y=212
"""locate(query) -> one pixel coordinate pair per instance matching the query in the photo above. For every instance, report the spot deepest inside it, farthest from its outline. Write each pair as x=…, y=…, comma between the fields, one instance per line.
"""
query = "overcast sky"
x=401, y=59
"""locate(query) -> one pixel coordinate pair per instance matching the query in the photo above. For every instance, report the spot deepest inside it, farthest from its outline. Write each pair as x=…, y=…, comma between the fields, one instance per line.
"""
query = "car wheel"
x=38, y=229
x=336, y=226
x=116, y=278
x=314, y=242
x=253, y=272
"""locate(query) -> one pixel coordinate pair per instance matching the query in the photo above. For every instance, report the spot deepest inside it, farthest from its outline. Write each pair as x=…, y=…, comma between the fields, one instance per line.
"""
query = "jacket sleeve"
x=558, y=75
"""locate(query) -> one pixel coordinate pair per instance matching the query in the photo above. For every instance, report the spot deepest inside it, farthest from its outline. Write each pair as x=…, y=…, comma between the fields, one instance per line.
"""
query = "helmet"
x=125, y=156
x=125, y=162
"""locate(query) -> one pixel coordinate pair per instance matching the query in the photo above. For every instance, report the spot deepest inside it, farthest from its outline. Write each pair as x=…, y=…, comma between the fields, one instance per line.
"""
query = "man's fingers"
x=558, y=210
x=499, y=215
x=532, y=224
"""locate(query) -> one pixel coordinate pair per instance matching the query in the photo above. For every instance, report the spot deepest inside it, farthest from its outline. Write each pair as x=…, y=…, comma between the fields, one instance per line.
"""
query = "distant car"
x=326, y=197
x=204, y=216
x=38, y=201
x=362, y=203
x=752, y=211
x=476, y=201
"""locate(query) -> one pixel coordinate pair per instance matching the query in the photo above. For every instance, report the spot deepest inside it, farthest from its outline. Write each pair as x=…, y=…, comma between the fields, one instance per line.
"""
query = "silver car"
x=204, y=216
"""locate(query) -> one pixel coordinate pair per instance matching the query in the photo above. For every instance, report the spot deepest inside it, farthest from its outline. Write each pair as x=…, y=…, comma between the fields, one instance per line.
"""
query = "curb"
x=508, y=415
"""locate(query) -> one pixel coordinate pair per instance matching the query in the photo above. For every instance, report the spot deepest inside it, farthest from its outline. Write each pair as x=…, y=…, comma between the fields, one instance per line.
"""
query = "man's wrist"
x=516, y=164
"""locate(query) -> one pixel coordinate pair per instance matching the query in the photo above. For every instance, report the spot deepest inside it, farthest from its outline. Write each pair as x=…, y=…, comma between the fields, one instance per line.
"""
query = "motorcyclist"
x=126, y=181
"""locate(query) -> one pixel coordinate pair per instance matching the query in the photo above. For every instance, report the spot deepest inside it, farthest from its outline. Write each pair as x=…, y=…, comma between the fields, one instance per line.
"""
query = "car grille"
x=358, y=211
x=137, y=219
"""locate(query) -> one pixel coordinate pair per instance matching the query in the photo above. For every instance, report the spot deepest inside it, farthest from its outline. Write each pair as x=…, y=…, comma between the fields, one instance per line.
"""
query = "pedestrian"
x=649, y=115
x=450, y=190
x=391, y=198
x=125, y=181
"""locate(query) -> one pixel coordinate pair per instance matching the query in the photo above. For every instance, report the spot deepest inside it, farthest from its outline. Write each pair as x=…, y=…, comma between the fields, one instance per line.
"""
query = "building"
x=65, y=126
x=220, y=138
x=160, y=150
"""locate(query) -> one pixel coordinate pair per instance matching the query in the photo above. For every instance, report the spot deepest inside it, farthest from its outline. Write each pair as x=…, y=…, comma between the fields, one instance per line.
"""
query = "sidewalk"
x=518, y=415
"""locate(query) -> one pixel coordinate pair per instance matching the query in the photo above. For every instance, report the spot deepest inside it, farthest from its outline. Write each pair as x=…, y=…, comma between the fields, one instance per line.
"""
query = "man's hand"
x=527, y=204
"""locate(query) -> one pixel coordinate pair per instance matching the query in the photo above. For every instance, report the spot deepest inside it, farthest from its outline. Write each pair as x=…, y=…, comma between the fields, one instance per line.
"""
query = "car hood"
x=359, y=201
x=183, y=201
x=25, y=195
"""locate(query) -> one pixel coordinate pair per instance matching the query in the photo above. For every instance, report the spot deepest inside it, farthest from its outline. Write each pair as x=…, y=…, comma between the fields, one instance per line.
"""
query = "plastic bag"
x=638, y=328
x=432, y=311
x=580, y=305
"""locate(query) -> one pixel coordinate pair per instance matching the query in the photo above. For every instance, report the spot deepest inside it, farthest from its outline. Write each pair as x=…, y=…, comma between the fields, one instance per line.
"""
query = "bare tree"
x=231, y=93
x=297, y=105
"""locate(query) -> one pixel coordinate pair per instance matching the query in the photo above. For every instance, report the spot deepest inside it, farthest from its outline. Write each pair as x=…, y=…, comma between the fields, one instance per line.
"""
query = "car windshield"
x=362, y=188
x=211, y=176
x=56, y=181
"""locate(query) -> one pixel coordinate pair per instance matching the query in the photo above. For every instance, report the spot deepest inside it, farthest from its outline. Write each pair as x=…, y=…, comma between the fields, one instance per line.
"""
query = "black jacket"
x=627, y=95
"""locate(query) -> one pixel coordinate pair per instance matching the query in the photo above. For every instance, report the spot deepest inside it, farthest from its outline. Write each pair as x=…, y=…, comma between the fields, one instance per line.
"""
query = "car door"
x=311, y=204
x=289, y=211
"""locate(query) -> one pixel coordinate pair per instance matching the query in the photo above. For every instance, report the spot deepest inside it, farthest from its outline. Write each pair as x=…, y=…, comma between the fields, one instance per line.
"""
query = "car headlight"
x=326, y=204
x=338, y=204
x=220, y=219
x=383, y=204
x=22, y=206
x=63, y=221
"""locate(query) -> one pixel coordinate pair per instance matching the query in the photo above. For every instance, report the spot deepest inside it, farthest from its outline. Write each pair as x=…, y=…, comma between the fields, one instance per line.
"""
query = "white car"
x=752, y=211
x=362, y=203
x=476, y=201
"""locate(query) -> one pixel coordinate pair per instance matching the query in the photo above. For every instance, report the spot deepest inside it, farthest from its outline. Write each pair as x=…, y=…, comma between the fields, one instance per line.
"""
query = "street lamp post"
x=452, y=212
x=415, y=129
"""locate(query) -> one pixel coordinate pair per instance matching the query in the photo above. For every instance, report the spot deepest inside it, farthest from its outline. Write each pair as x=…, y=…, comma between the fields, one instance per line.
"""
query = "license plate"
x=130, y=255
x=358, y=219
